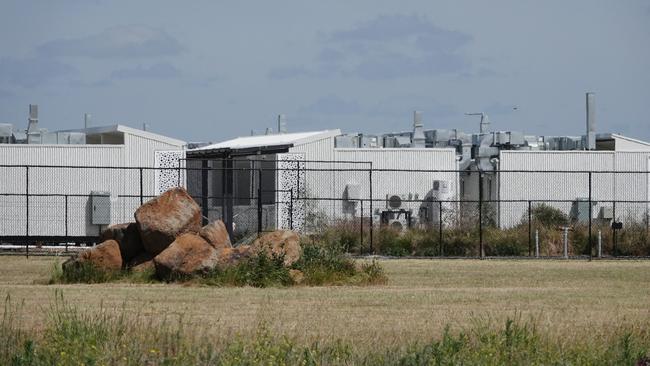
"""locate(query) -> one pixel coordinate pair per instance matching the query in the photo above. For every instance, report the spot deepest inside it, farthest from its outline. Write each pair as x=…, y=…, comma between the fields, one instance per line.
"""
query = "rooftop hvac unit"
x=346, y=141
x=6, y=133
x=366, y=141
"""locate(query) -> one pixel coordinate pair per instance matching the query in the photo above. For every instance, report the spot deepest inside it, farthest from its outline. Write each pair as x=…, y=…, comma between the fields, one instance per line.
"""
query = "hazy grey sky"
x=211, y=70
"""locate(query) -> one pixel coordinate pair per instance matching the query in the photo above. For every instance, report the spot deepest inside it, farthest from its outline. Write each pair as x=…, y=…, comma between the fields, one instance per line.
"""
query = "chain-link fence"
x=397, y=212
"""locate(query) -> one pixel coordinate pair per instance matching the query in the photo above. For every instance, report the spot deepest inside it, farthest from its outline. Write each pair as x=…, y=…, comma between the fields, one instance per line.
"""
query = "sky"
x=213, y=70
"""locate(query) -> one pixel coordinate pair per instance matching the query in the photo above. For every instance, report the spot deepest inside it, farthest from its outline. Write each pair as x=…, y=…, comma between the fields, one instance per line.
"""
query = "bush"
x=256, y=271
x=548, y=216
x=327, y=264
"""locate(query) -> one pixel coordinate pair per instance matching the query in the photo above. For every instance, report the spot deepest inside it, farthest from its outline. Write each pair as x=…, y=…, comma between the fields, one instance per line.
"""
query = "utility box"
x=100, y=202
x=606, y=213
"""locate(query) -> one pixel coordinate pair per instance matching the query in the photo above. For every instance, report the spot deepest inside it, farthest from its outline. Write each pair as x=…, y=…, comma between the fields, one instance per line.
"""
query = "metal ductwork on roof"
x=418, y=139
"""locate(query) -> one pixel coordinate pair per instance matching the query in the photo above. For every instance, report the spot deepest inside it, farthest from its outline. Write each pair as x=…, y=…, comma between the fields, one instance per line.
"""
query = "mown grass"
x=109, y=337
x=319, y=265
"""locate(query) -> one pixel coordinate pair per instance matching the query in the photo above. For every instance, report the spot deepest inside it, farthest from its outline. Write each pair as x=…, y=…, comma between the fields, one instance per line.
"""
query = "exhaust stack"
x=418, y=130
x=87, y=118
x=591, y=121
x=282, y=123
x=32, y=121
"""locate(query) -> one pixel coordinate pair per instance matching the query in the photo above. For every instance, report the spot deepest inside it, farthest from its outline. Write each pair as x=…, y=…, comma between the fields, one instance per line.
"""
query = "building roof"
x=131, y=131
x=606, y=136
x=275, y=140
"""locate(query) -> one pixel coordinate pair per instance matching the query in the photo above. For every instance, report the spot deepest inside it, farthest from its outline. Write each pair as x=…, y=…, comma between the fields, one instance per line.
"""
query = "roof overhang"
x=226, y=152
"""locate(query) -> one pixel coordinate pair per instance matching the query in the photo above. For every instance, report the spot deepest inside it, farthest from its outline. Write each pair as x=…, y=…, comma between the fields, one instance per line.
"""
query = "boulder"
x=139, y=259
x=215, y=234
x=188, y=254
x=232, y=256
x=113, y=232
x=105, y=256
x=144, y=266
x=279, y=242
x=166, y=217
x=127, y=236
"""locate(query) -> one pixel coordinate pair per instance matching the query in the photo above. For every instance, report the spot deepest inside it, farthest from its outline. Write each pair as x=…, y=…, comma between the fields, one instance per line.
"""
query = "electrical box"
x=100, y=203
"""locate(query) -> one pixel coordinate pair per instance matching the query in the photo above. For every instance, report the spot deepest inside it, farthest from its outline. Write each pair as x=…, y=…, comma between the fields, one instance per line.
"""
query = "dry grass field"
x=563, y=298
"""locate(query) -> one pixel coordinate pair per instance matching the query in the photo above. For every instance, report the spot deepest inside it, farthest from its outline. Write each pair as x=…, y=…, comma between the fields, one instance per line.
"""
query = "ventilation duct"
x=418, y=130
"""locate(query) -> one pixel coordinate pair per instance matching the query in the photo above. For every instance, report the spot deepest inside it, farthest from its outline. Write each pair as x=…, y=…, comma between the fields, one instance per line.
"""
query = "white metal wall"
x=414, y=185
x=544, y=186
x=47, y=215
x=339, y=167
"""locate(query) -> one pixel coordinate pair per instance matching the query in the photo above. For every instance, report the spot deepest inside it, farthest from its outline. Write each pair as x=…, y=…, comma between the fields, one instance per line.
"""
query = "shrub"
x=546, y=215
x=256, y=271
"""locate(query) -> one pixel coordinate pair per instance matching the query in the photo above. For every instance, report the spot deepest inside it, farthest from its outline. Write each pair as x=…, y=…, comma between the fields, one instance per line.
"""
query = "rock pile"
x=167, y=235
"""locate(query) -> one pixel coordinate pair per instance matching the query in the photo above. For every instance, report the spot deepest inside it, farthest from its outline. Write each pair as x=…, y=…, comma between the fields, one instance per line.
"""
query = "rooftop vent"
x=418, y=130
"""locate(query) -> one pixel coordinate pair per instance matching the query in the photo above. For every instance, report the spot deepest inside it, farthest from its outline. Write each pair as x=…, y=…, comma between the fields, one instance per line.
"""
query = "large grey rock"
x=188, y=254
x=166, y=217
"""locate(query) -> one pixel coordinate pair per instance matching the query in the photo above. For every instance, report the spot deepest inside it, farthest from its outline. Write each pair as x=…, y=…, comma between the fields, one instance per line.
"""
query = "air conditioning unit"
x=441, y=189
x=402, y=201
x=396, y=220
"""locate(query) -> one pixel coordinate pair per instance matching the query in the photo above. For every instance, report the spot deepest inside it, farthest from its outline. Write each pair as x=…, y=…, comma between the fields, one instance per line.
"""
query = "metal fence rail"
x=496, y=213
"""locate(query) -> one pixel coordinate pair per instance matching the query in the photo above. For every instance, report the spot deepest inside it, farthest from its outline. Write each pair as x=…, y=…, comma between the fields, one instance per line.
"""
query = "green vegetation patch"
x=74, y=337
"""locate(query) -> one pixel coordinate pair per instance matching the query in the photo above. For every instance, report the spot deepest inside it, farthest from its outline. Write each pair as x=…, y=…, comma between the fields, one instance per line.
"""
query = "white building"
x=49, y=188
x=629, y=185
x=330, y=182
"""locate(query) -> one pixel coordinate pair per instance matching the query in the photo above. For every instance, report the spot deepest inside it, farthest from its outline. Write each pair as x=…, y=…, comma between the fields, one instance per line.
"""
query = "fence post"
x=66, y=223
x=27, y=210
x=371, y=212
x=440, y=228
x=612, y=227
x=480, y=214
x=590, y=219
x=361, y=227
x=259, y=202
x=530, y=228
x=141, y=189
x=536, y=243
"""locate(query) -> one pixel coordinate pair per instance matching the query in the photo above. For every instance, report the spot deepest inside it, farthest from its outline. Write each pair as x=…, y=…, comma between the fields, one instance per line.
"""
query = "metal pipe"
x=600, y=245
x=536, y=243
x=565, y=239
